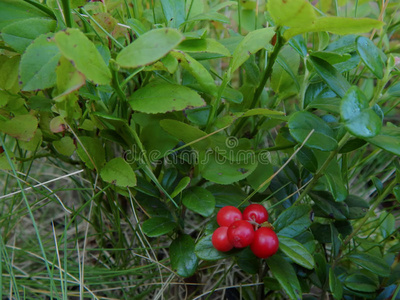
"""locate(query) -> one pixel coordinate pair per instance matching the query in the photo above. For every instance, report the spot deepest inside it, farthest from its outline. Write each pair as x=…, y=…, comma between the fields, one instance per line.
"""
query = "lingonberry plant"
x=126, y=125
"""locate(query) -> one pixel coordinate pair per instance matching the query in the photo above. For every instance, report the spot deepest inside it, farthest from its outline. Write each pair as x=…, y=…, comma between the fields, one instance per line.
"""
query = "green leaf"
x=91, y=151
x=358, y=207
x=291, y=13
x=325, y=206
x=162, y=97
x=149, y=47
x=371, y=262
x=117, y=171
x=219, y=169
x=331, y=76
x=157, y=226
x=209, y=16
x=253, y=42
x=65, y=146
x=293, y=221
x=388, y=139
x=335, y=180
x=174, y=11
x=336, y=25
x=387, y=224
x=227, y=195
x=285, y=274
x=297, y=252
x=331, y=57
x=183, y=183
x=186, y=133
x=20, y=34
x=335, y=285
x=204, y=48
x=307, y=158
x=76, y=47
x=205, y=250
x=38, y=64
x=360, y=119
x=69, y=79
x=9, y=73
x=370, y=55
x=34, y=143
x=183, y=257
x=22, y=127
x=12, y=11
x=198, y=71
x=361, y=282
x=302, y=123
x=263, y=171
x=199, y=200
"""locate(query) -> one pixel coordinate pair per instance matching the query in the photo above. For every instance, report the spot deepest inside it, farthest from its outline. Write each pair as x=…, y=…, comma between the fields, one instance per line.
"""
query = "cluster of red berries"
x=248, y=229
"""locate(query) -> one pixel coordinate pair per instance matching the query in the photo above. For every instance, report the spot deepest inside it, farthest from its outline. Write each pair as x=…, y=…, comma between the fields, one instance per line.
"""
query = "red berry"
x=227, y=215
x=240, y=234
x=265, y=242
x=220, y=239
x=256, y=213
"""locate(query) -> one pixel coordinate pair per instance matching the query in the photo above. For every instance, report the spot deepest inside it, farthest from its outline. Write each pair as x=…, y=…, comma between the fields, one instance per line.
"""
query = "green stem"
x=371, y=210
x=216, y=101
x=43, y=8
x=321, y=171
x=67, y=12
x=267, y=74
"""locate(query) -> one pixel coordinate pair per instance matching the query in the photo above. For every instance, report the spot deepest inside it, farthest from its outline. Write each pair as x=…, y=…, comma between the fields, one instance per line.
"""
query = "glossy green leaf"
x=219, y=169
x=352, y=145
x=183, y=183
x=371, y=262
x=302, y=123
x=76, y=47
x=286, y=275
x=14, y=11
x=297, y=252
x=263, y=171
x=183, y=257
x=149, y=47
x=117, y=171
x=38, y=64
x=388, y=139
x=387, y=224
x=331, y=76
x=361, y=282
x=336, y=25
x=307, y=158
x=331, y=57
x=186, y=133
x=358, y=207
x=253, y=42
x=335, y=180
x=370, y=55
x=199, y=200
x=198, y=71
x=335, y=285
x=19, y=35
x=91, y=151
x=21, y=127
x=291, y=13
x=227, y=195
x=359, y=118
x=162, y=97
x=293, y=221
x=205, y=250
x=157, y=226
x=325, y=206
